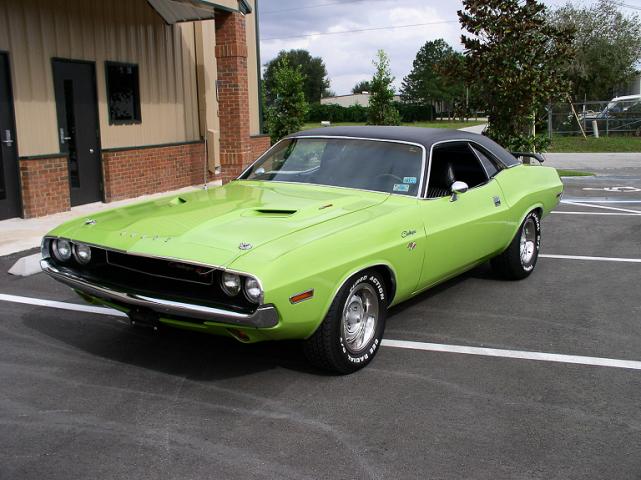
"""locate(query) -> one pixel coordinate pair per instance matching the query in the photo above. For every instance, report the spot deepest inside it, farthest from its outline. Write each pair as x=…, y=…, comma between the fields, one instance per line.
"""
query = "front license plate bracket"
x=143, y=317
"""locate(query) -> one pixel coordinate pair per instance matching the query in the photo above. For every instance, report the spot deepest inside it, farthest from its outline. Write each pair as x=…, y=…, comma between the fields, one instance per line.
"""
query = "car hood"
x=217, y=225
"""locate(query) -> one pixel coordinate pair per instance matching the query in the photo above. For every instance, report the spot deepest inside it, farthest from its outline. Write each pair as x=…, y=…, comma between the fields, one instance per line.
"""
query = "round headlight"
x=82, y=253
x=61, y=249
x=230, y=284
x=253, y=292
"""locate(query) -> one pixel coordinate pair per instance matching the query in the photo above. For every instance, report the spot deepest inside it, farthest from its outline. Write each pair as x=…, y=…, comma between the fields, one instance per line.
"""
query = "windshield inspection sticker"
x=411, y=180
x=401, y=187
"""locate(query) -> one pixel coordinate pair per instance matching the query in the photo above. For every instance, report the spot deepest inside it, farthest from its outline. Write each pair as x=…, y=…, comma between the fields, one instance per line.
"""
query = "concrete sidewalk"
x=475, y=129
x=18, y=234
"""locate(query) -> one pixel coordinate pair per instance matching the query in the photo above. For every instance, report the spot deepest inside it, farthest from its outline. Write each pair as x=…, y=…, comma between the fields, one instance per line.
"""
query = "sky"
x=348, y=56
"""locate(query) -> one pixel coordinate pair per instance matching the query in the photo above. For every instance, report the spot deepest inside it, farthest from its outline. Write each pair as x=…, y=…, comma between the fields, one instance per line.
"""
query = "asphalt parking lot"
x=83, y=395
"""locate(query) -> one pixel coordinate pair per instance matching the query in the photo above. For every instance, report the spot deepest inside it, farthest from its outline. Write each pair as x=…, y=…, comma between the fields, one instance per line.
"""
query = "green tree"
x=607, y=45
x=381, y=109
x=362, y=86
x=517, y=58
x=287, y=112
x=429, y=81
x=315, y=81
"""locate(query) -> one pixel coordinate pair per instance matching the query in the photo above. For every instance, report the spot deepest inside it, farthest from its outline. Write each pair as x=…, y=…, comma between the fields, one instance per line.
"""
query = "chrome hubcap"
x=360, y=316
x=528, y=243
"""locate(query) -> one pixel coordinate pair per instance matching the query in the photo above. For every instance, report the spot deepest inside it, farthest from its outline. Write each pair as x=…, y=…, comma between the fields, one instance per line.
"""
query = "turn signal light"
x=301, y=296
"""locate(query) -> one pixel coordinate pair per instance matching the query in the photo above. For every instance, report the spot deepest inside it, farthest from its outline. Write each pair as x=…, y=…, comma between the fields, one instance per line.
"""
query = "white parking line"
x=598, y=213
x=591, y=205
x=522, y=355
x=61, y=305
x=601, y=200
x=433, y=347
x=593, y=259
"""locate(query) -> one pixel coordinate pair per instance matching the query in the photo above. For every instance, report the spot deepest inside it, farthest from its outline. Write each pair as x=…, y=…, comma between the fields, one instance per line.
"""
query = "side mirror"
x=457, y=189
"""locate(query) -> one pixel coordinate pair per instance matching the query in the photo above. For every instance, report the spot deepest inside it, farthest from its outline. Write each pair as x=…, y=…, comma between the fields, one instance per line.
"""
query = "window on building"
x=123, y=93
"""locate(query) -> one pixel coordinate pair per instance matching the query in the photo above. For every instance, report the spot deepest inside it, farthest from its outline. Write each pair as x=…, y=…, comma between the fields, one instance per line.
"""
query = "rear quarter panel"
x=527, y=187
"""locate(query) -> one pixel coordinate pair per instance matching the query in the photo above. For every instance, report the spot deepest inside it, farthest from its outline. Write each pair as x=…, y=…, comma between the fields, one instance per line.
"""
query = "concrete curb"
x=26, y=266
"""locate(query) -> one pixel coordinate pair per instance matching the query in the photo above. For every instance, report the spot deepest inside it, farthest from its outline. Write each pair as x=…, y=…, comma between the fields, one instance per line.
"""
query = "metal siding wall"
x=35, y=31
x=252, y=71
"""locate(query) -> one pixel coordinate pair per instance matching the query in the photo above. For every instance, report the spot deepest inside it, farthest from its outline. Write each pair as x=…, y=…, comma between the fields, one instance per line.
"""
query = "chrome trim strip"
x=265, y=316
x=342, y=137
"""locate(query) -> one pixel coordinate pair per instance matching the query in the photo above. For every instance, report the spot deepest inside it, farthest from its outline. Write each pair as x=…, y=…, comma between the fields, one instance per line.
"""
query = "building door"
x=78, y=132
x=9, y=182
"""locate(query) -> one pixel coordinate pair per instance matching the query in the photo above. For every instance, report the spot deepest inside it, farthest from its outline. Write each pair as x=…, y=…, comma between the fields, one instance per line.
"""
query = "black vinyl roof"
x=426, y=137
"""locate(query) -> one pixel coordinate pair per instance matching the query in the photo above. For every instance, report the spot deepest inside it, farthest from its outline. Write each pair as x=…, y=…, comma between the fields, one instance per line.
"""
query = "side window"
x=123, y=93
x=491, y=166
x=452, y=162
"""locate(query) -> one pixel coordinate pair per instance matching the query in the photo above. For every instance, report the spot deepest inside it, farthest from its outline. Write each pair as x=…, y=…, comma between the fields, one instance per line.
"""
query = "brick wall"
x=259, y=144
x=233, y=94
x=141, y=171
x=45, y=186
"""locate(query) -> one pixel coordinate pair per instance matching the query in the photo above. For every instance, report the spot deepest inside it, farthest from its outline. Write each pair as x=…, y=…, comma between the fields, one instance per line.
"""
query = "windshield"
x=363, y=164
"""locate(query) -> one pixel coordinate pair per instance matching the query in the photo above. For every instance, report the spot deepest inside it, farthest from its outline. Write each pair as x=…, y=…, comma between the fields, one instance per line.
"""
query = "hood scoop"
x=274, y=212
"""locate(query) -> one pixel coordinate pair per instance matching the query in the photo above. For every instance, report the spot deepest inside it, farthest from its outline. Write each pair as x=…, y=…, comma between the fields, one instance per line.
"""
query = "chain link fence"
x=619, y=116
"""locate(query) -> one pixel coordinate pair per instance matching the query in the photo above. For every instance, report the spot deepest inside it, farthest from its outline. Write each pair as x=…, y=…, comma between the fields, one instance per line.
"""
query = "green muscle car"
x=314, y=241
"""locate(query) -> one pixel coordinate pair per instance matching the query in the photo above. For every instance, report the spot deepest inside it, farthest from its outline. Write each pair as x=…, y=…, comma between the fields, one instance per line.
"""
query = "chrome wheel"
x=360, y=317
x=528, y=243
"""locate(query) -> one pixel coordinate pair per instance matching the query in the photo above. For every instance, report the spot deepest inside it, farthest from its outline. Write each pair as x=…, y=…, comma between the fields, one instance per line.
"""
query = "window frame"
x=469, y=143
x=498, y=165
x=137, y=97
x=421, y=185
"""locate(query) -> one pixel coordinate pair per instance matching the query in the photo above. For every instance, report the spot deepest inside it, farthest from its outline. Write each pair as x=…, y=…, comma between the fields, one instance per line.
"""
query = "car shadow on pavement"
x=192, y=355
x=482, y=272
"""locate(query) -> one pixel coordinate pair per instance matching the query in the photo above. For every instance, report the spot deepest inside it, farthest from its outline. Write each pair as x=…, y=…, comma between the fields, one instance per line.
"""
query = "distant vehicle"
x=622, y=114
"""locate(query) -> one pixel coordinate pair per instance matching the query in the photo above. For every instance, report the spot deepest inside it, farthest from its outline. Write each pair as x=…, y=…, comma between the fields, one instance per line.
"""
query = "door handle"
x=63, y=139
x=7, y=140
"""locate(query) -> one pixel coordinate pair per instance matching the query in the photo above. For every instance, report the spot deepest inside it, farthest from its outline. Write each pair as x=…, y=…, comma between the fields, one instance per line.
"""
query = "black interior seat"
x=441, y=179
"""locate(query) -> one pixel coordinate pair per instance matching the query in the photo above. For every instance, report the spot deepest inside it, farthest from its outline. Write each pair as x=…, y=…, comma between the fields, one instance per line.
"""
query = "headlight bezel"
x=55, y=250
x=229, y=291
x=255, y=285
x=78, y=256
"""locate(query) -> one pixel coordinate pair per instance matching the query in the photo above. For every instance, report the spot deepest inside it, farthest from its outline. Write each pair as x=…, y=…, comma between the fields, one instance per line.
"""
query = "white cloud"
x=348, y=57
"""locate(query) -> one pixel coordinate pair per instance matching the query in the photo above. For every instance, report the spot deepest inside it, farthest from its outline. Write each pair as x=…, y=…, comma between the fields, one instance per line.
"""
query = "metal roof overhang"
x=176, y=11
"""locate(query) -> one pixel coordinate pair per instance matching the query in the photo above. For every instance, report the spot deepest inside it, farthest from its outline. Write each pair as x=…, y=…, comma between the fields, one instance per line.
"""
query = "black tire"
x=335, y=346
x=514, y=263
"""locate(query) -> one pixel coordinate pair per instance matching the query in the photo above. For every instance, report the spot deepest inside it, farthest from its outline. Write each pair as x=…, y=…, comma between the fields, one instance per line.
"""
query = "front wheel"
x=519, y=259
x=351, y=333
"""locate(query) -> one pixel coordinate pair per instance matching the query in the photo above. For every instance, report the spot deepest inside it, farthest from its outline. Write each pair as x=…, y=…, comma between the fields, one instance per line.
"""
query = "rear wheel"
x=351, y=333
x=519, y=259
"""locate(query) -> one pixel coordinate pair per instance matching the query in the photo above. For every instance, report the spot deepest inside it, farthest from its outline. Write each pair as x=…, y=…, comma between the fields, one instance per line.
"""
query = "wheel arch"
x=382, y=268
x=536, y=207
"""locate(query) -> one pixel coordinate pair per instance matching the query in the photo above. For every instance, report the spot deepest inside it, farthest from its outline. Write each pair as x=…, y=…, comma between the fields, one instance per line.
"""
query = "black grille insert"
x=162, y=268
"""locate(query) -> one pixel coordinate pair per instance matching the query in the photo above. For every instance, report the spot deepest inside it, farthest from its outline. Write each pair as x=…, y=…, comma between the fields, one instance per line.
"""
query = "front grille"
x=156, y=277
x=162, y=268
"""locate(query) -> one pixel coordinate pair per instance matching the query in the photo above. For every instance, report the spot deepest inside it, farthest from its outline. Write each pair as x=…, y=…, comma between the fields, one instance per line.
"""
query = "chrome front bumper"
x=265, y=316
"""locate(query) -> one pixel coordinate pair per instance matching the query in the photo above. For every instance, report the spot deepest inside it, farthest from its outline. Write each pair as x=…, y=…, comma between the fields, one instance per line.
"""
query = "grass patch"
x=595, y=145
x=435, y=124
x=573, y=173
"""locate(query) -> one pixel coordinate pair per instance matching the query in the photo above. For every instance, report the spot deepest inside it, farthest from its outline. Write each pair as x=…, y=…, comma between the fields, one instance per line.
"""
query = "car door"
x=460, y=231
